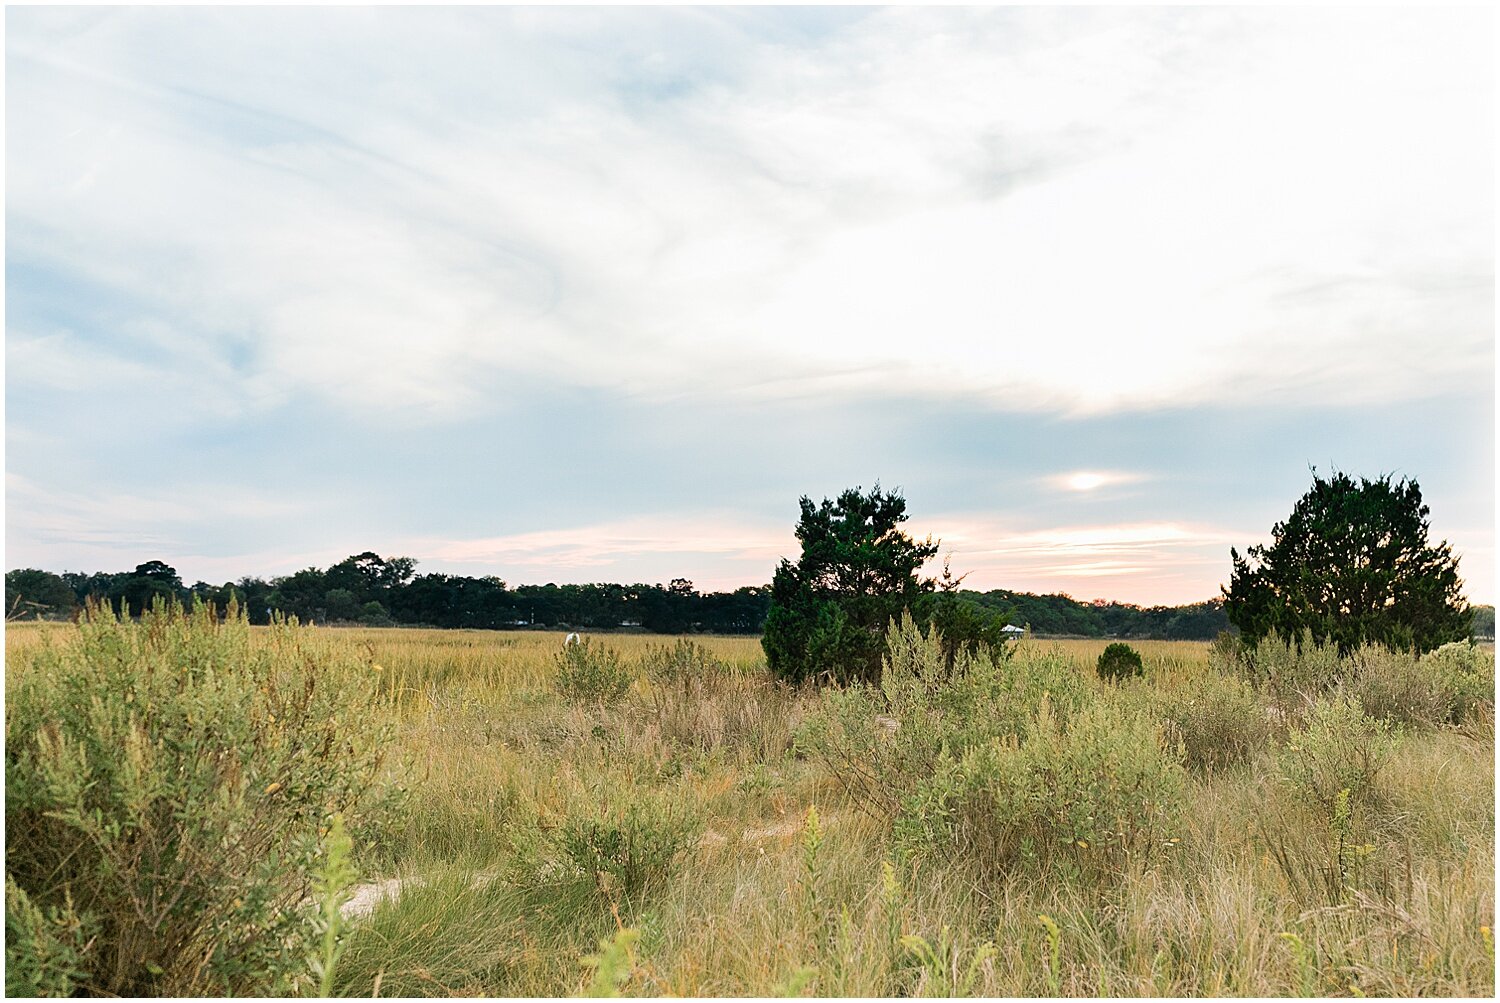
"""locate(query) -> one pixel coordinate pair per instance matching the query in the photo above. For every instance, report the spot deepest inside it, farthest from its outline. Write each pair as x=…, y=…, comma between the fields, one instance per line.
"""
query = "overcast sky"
x=595, y=295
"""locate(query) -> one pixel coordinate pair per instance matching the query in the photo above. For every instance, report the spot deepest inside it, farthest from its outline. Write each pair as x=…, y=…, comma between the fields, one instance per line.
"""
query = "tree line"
x=385, y=591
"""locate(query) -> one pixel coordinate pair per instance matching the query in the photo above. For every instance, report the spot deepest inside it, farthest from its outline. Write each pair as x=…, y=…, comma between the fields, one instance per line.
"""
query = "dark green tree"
x=149, y=582
x=1352, y=565
x=33, y=594
x=962, y=623
x=858, y=570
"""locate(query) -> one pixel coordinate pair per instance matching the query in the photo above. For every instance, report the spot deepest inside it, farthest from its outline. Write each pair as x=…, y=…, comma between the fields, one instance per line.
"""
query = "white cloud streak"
x=1053, y=210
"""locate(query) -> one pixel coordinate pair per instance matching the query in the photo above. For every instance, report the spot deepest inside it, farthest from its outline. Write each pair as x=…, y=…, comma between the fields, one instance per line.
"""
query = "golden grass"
x=494, y=758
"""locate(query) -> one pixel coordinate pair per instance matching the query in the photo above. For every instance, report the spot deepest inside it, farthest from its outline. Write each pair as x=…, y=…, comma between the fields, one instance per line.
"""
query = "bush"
x=45, y=953
x=1097, y=795
x=1337, y=753
x=1293, y=671
x=1445, y=686
x=1218, y=721
x=1465, y=673
x=1119, y=661
x=1394, y=686
x=682, y=667
x=616, y=838
x=166, y=783
x=880, y=743
x=589, y=674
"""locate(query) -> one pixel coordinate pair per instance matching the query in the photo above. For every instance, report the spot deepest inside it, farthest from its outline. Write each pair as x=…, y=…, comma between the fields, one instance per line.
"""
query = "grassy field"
x=702, y=815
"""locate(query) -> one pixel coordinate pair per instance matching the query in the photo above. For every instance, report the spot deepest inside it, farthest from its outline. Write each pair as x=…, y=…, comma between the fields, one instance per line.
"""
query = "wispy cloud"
x=1090, y=210
x=481, y=275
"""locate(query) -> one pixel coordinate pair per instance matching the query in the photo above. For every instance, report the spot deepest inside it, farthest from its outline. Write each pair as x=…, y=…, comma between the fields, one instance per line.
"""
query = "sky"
x=580, y=294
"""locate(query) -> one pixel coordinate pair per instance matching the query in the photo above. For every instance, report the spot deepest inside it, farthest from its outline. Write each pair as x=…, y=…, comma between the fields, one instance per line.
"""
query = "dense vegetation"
x=661, y=817
x=438, y=600
x=1352, y=565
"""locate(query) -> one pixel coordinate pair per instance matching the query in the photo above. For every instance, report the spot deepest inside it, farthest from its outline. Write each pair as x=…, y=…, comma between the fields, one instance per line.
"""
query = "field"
x=707, y=811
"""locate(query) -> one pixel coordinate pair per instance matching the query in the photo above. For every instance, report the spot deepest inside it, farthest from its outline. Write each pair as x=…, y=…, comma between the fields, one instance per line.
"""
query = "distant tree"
x=32, y=595
x=962, y=623
x=1484, y=622
x=370, y=577
x=858, y=570
x=300, y=594
x=1352, y=565
x=149, y=582
x=341, y=604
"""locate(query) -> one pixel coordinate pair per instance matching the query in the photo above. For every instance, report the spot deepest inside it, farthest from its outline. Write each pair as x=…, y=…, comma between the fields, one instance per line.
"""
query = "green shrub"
x=46, y=953
x=617, y=838
x=1119, y=661
x=1096, y=795
x=1293, y=671
x=168, y=780
x=1337, y=753
x=682, y=667
x=590, y=674
x=1395, y=686
x=1218, y=721
x=1464, y=672
x=880, y=743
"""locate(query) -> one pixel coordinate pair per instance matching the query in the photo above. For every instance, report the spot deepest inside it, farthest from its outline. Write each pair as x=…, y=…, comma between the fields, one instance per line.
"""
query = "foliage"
x=331, y=885
x=942, y=967
x=1218, y=722
x=1096, y=796
x=613, y=965
x=857, y=572
x=1337, y=753
x=682, y=667
x=1465, y=674
x=1292, y=671
x=963, y=624
x=46, y=951
x=609, y=840
x=1064, y=615
x=1351, y=565
x=1117, y=662
x=33, y=594
x=169, y=779
x=882, y=743
x=589, y=673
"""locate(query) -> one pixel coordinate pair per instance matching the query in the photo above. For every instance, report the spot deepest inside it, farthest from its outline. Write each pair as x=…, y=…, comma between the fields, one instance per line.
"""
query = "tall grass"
x=537, y=827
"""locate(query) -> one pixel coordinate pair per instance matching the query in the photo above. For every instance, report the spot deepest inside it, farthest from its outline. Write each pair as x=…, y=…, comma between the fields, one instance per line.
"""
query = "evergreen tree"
x=858, y=570
x=1352, y=565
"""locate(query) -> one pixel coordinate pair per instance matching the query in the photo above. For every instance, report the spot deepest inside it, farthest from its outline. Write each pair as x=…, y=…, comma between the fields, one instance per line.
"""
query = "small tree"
x=858, y=571
x=1119, y=661
x=1351, y=565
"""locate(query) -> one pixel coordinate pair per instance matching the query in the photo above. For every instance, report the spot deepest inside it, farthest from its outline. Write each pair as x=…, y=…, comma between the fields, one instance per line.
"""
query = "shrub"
x=1218, y=721
x=1464, y=672
x=682, y=667
x=168, y=780
x=880, y=743
x=1394, y=686
x=1119, y=661
x=1293, y=671
x=589, y=674
x=1445, y=686
x=45, y=952
x=1094, y=795
x=1336, y=754
x=617, y=838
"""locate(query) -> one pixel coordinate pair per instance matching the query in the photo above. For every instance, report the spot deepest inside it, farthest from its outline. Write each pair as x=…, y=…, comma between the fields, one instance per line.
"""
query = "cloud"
x=1090, y=480
x=1085, y=211
x=1144, y=562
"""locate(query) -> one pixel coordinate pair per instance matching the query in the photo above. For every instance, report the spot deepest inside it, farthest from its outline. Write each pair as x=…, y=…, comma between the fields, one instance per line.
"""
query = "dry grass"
x=499, y=763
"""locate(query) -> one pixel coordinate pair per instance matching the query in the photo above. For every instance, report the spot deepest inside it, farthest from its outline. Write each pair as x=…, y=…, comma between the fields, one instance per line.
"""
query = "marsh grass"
x=1250, y=899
